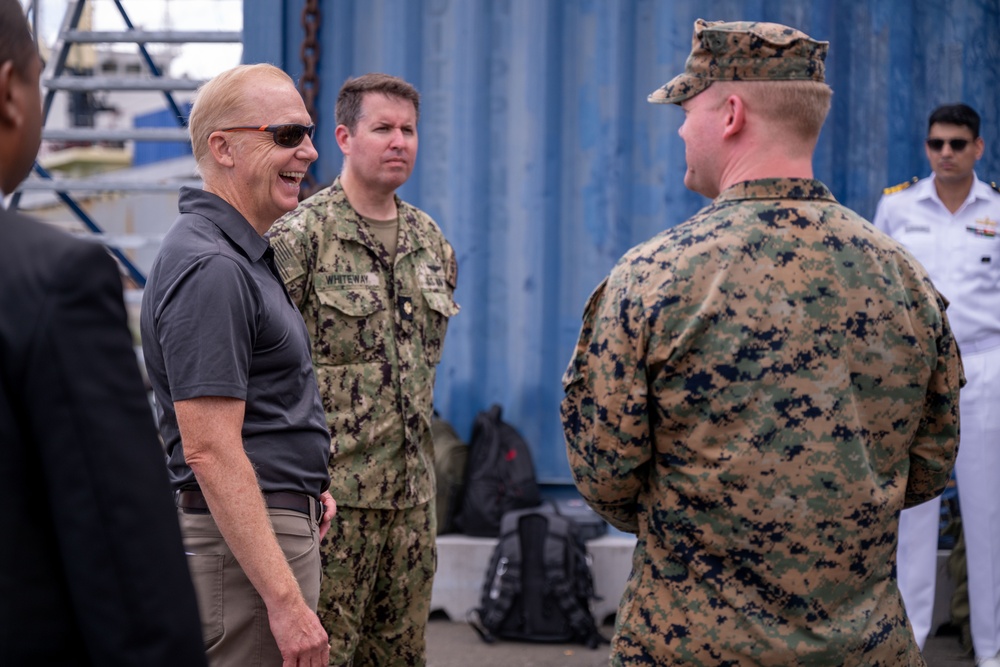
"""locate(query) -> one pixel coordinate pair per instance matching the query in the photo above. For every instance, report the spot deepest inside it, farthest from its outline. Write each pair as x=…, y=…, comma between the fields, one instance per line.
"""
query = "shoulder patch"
x=289, y=265
x=899, y=188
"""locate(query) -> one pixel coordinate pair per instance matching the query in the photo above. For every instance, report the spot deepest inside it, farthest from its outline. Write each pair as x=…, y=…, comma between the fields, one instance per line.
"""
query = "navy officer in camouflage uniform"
x=758, y=392
x=374, y=278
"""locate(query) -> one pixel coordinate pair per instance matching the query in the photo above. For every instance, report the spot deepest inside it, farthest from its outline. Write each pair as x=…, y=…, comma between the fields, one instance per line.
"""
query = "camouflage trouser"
x=378, y=569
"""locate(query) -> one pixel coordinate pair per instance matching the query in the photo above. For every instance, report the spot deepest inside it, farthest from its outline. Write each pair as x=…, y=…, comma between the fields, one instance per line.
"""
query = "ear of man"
x=342, y=134
x=221, y=148
x=16, y=126
x=11, y=100
x=735, y=116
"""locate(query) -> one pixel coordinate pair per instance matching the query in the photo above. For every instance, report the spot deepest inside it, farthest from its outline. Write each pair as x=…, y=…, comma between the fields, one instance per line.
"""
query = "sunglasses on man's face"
x=288, y=135
x=957, y=145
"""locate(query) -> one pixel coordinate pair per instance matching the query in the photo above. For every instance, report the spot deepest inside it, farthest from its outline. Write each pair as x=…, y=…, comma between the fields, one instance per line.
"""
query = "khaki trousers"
x=233, y=616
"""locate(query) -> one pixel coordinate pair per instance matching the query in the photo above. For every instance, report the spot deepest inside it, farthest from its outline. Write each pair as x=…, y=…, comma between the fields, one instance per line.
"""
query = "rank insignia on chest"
x=406, y=307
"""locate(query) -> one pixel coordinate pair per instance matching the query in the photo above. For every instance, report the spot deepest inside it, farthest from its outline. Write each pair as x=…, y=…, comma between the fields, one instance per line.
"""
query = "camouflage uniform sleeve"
x=604, y=413
x=451, y=270
x=293, y=253
x=935, y=446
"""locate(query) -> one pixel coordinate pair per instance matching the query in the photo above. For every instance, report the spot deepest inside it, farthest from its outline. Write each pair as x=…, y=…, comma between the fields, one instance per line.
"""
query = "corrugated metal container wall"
x=543, y=163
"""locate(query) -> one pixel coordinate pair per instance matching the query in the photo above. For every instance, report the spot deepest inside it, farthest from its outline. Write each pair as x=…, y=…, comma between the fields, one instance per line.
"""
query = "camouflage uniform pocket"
x=441, y=306
x=352, y=326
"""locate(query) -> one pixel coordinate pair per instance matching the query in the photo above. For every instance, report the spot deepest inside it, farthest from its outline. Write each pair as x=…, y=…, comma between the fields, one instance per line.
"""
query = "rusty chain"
x=309, y=83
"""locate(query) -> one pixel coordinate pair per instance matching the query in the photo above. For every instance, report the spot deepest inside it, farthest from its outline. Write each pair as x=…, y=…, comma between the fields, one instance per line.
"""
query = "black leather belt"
x=193, y=501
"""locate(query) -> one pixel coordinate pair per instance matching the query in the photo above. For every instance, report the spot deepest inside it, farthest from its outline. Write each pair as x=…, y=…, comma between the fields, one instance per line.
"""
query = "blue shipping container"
x=148, y=152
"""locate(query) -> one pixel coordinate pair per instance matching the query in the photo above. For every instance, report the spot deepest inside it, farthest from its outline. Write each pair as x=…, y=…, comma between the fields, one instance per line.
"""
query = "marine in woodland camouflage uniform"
x=377, y=321
x=757, y=393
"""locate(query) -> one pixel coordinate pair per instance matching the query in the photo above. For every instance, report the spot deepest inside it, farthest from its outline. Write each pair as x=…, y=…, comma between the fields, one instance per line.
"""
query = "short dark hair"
x=16, y=42
x=956, y=114
x=353, y=91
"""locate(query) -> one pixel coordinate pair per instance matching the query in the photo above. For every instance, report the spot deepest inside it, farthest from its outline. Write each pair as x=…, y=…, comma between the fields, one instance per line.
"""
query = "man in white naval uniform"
x=950, y=222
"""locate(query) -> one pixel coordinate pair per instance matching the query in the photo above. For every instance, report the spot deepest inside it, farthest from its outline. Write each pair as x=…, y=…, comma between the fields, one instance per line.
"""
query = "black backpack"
x=499, y=476
x=538, y=586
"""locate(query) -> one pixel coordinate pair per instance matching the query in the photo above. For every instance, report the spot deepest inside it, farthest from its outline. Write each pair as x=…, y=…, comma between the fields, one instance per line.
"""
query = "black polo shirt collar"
x=224, y=216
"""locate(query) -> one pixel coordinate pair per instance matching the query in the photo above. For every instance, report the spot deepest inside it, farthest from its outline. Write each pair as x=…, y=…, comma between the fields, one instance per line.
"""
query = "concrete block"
x=461, y=569
x=611, y=563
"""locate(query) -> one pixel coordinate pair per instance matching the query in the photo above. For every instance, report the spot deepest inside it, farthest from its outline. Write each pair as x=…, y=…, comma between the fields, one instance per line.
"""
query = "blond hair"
x=222, y=102
x=800, y=107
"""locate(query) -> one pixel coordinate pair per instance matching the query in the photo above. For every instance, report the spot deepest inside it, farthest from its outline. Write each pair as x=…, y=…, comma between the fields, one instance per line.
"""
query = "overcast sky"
x=195, y=60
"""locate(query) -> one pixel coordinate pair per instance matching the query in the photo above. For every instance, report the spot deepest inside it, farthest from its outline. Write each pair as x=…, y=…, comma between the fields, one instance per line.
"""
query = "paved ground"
x=457, y=645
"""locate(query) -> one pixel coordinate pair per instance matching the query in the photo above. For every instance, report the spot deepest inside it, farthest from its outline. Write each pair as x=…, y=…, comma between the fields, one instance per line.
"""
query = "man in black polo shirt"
x=228, y=357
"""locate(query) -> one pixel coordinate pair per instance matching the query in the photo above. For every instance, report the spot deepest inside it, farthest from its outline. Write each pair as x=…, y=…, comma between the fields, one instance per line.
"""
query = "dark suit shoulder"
x=43, y=255
x=26, y=230
x=45, y=267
